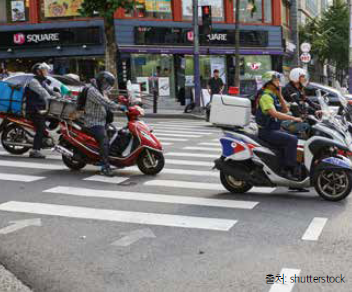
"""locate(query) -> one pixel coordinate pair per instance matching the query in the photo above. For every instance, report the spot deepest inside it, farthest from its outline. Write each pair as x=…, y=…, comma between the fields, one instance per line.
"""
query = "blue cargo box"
x=11, y=98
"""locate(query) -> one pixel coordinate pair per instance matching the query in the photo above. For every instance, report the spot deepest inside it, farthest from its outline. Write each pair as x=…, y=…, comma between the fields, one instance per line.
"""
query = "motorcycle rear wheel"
x=333, y=185
x=233, y=185
x=146, y=166
x=14, y=133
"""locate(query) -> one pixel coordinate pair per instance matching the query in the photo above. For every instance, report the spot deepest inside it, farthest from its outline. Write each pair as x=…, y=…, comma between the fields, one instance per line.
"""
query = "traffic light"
x=206, y=19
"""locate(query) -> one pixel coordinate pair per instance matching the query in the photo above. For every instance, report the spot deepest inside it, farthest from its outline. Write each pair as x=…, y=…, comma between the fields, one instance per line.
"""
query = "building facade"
x=155, y=40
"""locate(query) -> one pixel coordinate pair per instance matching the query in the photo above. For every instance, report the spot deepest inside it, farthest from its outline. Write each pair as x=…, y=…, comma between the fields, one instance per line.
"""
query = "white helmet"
x=296, y=73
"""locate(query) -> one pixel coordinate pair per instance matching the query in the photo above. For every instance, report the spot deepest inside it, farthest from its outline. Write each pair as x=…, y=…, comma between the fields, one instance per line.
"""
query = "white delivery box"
x=231, y=111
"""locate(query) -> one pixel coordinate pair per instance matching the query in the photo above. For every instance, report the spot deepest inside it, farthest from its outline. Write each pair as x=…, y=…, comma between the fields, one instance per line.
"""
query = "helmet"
x=271, y=75
x=296, y=73
x=40, y=66
x=105, y=81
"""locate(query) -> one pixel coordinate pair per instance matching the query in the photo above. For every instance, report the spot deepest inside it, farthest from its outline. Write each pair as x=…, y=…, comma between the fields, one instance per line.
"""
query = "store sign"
x=254, y=66
x=70, y=36
x=181, y=37
x=306, y=58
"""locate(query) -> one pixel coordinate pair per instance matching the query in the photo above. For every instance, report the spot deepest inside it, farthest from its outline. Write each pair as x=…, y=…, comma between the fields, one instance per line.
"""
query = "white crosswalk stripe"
x=210, y=144
x=189, y=162
x=110, y=180
x=202, y=148
x=119, y=216
x=186, y=128
x=19, y=177
x=163, y=139
x=148, y=197
x=178, y=135
x=181, y=132
x=32, y=165
x=186, y=154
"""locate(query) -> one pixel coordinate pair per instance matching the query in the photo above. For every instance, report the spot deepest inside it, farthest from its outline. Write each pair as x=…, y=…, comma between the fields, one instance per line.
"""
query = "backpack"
x=82, y=99
x=256, y=100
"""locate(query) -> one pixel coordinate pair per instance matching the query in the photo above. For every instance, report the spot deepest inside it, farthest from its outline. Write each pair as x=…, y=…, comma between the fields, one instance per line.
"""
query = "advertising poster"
x=164, y=86
x=62, y=8
x=144, y=82
x=18, y=10
x=155, y=5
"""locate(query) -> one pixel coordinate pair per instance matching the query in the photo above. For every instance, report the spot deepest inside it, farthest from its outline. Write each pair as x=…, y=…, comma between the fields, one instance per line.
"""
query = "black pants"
x=39, y=123
x=287, y=144
x=99, y=133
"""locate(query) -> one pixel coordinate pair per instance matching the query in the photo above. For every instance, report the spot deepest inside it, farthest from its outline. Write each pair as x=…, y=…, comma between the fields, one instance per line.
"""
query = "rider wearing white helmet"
x=37, y=95
x=300, y=104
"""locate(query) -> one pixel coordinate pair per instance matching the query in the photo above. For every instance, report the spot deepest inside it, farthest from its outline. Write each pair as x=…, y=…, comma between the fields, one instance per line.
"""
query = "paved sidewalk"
x=9, y=283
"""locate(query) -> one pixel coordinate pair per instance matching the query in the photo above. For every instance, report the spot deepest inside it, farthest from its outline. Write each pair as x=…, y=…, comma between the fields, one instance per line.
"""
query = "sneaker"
x=107, y=171
x=36, y=154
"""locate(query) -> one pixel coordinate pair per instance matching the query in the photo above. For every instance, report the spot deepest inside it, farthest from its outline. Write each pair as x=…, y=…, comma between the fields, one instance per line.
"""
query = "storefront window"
x=159, y=9
x=255, y=66
x=285, y=13
x=217, y=9
x=154, y=70
x=56, y=9
x=253, y=12
x=14, y=10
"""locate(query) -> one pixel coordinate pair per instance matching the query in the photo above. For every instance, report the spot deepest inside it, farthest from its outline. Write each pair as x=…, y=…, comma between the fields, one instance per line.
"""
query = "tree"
x=106, y=9
x=329, y=37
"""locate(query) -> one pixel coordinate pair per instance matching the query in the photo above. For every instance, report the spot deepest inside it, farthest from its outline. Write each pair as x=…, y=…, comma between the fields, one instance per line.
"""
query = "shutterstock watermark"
x=308, y=279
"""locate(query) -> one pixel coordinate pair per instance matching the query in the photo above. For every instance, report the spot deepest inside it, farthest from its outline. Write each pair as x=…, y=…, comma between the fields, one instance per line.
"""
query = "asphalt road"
x=178, y=231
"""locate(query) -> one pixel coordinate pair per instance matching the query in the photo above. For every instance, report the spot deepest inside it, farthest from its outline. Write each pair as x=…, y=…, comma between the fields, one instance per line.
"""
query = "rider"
x=294, y=93
x=96, y=109
x=37, y=95
x=271, y=110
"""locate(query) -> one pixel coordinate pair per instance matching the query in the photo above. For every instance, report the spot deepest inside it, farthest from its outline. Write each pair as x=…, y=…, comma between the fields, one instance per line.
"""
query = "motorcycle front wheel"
x=233, y=185
x=151, y=162
x=333, y=185
x=14, y=134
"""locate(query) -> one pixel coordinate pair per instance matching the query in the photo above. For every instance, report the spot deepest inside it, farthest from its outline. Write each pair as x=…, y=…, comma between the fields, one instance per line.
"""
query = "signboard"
x=51, y=37
x=61, y=8
x=18, y=10
x=164, y=86
x=157, y=5
x=145, y=35
x=306, y=47
x=306, y=58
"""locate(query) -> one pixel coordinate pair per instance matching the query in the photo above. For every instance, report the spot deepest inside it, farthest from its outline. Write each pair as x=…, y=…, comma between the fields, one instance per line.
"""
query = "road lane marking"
x=20, y=177
x=190, y=172
x=288, y=285
x=199, y=186
x=150, y=197
x=119, y=216
x=186, y=154
x=104, y=179
x=202, y=148
x=314, y=229
x=32, y=165
x=181, y=132
x=20, y=224
x=4, y=153
x=162, y=139
x=189, y=162
x=178, y=135
x=210, y=144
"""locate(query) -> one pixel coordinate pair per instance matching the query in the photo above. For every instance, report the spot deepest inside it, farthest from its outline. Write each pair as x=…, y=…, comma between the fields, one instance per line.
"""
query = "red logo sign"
x=190, y=36
x=19, y=38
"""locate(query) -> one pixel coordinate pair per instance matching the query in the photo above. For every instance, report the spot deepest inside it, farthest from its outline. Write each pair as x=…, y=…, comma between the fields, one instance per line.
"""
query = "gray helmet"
x=105, y=81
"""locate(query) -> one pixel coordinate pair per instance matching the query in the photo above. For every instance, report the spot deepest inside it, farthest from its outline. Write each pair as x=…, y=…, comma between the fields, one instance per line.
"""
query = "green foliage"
x=329, y=35
x=105, y=8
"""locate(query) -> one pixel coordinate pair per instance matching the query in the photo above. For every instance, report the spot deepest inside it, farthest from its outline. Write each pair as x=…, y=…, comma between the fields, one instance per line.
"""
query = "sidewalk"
x=9, y=283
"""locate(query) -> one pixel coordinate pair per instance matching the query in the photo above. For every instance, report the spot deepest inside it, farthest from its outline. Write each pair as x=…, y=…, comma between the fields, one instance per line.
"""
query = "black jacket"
x=292, y=94
x=37, y=97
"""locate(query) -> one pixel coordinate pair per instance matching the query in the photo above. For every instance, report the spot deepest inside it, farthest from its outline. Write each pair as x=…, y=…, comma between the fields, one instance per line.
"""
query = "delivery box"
x=230, y=111
x=11, y=98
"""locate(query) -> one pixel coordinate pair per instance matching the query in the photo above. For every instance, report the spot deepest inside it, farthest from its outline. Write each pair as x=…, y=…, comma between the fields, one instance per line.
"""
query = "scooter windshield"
x=326, y=112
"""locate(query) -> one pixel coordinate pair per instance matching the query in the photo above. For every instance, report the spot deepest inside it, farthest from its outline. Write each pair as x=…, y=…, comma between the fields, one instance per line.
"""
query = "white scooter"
x=247, y=161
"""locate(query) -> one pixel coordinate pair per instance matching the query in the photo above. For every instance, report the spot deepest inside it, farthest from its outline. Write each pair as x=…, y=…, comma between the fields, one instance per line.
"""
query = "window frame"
x=263, y=14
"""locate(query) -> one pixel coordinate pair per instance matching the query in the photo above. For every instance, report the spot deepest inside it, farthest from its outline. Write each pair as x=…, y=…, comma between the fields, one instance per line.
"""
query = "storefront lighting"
x=9, y=50
x=84, y=47
x=59, y=48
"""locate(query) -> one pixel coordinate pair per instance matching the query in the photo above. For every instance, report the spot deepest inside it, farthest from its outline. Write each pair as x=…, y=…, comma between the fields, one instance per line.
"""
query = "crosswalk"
x=187, y=179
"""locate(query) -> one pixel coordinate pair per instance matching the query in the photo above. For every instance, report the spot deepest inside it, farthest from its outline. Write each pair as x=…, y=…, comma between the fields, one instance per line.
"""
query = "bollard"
x=155, y=101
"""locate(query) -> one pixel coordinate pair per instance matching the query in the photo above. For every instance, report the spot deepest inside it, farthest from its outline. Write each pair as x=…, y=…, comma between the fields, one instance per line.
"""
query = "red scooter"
x=133, y=145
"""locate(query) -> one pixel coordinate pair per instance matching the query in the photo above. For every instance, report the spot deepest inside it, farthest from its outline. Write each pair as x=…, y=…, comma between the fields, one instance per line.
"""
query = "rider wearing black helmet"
x=96, y=109
x=37, y=95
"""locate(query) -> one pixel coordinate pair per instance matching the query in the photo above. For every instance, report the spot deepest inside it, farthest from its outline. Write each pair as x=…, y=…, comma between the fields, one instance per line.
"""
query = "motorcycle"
x=18, y=134
x=131, y=145
x=247, y=161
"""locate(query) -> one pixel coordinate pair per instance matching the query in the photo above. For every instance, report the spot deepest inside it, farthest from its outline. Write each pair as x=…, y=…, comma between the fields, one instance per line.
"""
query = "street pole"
x=237, y=46
x=350, y=51
x=294, y=31
x=197, y=87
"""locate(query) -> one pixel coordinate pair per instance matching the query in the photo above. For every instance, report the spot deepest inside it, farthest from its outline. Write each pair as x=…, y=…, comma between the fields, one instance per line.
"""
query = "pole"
x=237, y=46
x=350, y=51
x=196, y=54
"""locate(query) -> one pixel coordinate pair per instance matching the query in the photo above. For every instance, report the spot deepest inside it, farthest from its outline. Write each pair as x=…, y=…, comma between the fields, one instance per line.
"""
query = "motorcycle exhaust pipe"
x=63, y=151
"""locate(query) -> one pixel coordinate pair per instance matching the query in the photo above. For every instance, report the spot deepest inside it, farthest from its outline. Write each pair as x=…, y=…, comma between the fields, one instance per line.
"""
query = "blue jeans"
x=295, y=127
x=287, y=144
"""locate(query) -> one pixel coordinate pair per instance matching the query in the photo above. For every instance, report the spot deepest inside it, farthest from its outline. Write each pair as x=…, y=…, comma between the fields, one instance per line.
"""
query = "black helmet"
x=105, y=81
